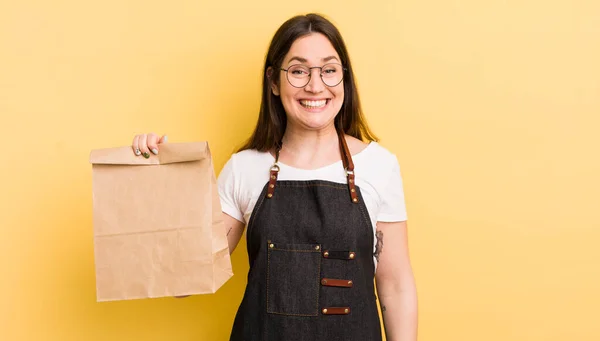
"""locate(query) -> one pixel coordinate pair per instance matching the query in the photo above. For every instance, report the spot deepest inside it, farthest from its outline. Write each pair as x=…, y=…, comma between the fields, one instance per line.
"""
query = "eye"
x=298, y=70
x=330, y=69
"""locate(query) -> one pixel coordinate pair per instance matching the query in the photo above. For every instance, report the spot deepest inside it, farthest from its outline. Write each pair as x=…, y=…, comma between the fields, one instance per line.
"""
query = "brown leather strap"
x=348, y=166
x=346, y=156
x=273, y=176
x=336, y=311
x=342, y=283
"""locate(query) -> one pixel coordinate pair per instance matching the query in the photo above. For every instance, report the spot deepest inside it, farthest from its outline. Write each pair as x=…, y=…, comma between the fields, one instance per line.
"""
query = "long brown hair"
x=272, y=119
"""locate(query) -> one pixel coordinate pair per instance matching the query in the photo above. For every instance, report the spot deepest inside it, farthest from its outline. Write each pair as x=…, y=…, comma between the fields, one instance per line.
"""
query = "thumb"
x=163, y=139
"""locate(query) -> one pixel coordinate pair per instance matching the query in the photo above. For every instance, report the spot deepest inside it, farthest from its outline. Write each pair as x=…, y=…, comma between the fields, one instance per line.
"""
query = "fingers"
x=152, y=143
x=144, y=144
x=135, y=145
x=163, y=139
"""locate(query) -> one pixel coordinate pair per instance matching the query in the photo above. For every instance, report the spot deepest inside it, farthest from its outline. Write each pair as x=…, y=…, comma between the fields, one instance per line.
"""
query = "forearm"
x=399, y=310
x=395, y=282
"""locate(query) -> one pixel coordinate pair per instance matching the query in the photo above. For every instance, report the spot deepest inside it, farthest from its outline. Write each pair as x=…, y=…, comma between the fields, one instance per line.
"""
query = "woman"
x=325, y=211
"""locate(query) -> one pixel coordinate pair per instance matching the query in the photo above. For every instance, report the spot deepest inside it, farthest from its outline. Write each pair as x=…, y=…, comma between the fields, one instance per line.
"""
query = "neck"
x=305, y=140
x=310, y=149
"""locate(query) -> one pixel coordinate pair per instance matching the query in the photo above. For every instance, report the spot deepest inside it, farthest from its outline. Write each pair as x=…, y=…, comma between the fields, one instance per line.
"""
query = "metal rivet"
x=355, y=200
x=346, y=311
x=272, y=186
x=350, y=181
x=349, y=282
x=351, y=255
x=269, y=195
x=271, y=245
x=326, y=254
x=324, y=281
x=273, y=177
x=353, y=190
x=324, y=311
x=317, y=247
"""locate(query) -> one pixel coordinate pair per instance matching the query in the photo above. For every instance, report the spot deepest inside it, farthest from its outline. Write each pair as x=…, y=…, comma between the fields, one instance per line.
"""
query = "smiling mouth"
x=308, y=104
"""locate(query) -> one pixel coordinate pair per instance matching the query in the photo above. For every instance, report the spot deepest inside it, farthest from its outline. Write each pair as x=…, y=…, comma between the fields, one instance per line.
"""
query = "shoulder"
x=246, y=165
x=355, y=145
x=249, y=158
x=244, y=173
x=240, y=180
x=377, y=155
x=373, y=149
x=376, y=164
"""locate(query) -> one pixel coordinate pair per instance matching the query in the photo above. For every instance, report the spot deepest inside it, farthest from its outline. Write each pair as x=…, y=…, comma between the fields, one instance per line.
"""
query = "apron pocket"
x=293, y=279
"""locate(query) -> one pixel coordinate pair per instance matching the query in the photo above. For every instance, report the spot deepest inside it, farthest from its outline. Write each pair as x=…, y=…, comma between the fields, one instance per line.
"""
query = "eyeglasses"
x=299, y=75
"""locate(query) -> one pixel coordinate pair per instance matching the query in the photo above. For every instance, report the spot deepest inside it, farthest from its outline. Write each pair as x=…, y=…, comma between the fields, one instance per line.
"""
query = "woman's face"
x=315, y=105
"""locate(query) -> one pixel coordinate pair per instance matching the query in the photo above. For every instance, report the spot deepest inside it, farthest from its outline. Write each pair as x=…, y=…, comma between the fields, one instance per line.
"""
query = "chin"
x=316, y=123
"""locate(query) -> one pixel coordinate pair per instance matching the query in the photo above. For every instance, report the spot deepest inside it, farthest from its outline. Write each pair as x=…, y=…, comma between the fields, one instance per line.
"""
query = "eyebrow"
x=303, y=60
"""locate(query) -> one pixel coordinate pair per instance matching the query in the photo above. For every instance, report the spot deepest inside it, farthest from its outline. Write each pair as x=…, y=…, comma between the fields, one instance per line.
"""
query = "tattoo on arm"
x=379, y=246
x=383, y=309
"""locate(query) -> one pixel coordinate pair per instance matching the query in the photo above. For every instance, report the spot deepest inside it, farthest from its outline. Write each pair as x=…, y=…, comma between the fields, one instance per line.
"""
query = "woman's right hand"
x=145, y=144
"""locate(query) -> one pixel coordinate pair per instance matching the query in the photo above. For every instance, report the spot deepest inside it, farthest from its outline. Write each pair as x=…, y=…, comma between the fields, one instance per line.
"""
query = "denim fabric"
x=288, y=265
x=287, y=235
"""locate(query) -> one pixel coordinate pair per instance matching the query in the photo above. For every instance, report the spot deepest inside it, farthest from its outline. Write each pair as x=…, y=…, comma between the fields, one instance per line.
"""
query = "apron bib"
x=310, y=247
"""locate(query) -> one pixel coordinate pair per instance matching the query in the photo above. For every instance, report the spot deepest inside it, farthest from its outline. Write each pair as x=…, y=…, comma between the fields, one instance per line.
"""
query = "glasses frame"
x=287, y=75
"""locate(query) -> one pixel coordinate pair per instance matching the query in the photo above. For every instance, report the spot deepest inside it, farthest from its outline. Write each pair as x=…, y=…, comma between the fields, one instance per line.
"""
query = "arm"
x=235, y=229
x=395, y=282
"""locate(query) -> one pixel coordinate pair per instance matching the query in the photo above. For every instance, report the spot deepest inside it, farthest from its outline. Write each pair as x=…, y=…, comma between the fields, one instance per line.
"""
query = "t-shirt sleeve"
x=228, y=192
x=393, y=207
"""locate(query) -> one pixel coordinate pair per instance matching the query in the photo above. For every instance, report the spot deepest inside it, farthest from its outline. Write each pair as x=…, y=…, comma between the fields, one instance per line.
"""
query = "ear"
x=274, y=83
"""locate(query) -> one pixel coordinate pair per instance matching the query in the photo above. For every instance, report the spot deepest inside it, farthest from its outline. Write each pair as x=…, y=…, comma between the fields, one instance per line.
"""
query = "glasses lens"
x=298, y=75
x=332, y=74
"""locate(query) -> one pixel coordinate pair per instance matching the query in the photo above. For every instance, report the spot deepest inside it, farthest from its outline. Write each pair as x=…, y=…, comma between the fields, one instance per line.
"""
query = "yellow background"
x=491, y=106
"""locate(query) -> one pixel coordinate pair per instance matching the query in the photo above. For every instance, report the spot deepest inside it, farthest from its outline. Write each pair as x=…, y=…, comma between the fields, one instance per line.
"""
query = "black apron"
x=310, y=247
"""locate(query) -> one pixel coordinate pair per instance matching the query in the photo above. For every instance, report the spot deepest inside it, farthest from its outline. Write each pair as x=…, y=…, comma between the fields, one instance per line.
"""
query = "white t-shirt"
x=377, y=174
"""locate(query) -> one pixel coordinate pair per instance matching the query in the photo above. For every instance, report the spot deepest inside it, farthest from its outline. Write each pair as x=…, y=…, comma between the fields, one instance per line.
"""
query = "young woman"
x=322, y=201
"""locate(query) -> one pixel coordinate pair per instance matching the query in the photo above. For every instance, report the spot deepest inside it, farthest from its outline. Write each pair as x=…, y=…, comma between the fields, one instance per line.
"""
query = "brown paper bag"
x=158, y=227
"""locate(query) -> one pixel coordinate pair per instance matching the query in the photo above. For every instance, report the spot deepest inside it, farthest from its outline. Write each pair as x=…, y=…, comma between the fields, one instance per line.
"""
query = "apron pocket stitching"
x=293, y=302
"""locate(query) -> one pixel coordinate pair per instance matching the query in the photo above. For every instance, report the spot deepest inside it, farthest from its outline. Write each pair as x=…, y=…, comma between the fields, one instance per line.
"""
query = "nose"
x=315, y=83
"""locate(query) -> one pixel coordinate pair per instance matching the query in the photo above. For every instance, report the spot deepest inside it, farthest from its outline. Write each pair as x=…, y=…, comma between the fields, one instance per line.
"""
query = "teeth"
x=313, y=104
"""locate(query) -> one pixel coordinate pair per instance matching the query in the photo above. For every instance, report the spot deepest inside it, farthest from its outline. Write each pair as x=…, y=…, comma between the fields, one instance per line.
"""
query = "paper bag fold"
x=169, y=153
